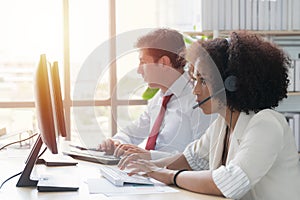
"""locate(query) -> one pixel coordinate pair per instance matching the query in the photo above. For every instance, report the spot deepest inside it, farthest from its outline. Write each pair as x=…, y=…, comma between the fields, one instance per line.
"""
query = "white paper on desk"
x=103, y=186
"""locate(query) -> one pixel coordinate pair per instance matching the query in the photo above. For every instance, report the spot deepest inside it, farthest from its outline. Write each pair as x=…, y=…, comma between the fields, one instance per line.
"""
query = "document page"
x=103, y=186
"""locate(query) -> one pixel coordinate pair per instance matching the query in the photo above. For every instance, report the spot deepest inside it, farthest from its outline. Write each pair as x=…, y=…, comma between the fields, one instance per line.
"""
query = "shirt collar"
x=178, y=86
x=241, y=125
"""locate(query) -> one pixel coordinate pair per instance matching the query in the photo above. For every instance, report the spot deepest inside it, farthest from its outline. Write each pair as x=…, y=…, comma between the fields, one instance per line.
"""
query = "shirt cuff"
x=232, y=181
x=196, y=163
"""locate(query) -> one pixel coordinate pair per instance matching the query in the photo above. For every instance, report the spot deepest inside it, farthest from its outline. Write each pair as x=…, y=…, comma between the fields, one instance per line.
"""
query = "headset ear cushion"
x=230, y=83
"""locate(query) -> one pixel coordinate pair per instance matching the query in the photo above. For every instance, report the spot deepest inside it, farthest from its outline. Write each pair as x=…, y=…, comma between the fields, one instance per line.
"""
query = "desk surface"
x=12, y=162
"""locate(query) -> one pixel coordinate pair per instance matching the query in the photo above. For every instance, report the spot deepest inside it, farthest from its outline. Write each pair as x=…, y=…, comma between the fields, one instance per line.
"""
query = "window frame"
x=113, y=101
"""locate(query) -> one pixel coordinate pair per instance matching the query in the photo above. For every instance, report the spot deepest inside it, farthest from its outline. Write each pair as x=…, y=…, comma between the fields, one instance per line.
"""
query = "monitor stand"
x=24, y=180
x=56, y=160
x=50, y=183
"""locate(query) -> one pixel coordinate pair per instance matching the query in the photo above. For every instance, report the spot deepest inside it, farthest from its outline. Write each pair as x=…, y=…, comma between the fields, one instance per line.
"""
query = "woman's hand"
x=128, y=149
x=141, y=166
x=132, y=157
x=148, y=168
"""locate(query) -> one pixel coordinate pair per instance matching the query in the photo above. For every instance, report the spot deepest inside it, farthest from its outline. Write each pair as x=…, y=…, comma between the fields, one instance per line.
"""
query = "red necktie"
x=155, y=129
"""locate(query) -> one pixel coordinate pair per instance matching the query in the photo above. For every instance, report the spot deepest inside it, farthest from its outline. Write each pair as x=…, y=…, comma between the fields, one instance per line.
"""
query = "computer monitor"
x=46, y=121
x=58, y=103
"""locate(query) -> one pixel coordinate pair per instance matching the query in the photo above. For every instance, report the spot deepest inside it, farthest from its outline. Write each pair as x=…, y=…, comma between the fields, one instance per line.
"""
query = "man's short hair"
x=164, y=42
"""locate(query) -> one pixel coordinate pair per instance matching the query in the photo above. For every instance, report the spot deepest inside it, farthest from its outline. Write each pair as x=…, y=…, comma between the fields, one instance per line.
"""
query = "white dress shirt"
x=181, y=124
x=262, y=161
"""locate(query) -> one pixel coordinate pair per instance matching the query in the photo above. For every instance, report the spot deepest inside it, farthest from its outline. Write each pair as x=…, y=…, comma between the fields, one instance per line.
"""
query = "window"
x=27, y=30
x=72, y=32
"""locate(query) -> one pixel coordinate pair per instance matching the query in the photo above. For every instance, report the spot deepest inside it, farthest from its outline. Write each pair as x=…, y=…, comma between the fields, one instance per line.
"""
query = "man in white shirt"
x=162, y=66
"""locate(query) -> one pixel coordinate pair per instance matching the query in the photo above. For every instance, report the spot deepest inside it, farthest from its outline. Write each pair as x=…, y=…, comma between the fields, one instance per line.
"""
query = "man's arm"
x=136, y=132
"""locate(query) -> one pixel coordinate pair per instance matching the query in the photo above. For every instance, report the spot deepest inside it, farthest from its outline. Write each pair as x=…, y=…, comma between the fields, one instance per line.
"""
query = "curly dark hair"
x=260, y=68
x=164, y=42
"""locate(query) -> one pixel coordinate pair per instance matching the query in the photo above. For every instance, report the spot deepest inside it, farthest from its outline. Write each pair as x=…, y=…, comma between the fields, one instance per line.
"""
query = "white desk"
x=12, y=162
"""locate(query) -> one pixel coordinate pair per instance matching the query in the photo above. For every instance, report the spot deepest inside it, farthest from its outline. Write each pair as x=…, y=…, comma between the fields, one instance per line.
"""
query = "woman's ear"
x=165, y=60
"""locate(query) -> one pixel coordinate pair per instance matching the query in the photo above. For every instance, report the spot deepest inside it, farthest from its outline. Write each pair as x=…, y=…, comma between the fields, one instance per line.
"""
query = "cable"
x=18, y=141
x=42, y=152
x=12, y=134
x=21, y=171
x=10, y=178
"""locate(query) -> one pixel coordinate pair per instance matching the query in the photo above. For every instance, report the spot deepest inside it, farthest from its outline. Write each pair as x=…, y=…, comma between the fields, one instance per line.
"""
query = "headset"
x=229, y=85
x=208, y=98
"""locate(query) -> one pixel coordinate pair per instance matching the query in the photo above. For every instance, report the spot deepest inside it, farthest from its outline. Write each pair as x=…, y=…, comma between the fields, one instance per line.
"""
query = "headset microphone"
x=208, y=98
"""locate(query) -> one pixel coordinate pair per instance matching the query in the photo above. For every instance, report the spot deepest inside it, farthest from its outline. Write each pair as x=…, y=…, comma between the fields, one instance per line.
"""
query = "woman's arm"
x=177, y=162
x=196, y=181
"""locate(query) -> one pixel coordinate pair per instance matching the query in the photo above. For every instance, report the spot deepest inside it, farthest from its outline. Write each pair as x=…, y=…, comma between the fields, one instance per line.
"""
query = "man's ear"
x=165, y=60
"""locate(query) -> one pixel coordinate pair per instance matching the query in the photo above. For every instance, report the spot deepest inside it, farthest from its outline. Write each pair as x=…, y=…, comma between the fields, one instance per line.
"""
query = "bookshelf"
x=266, y=33
x=290, y=104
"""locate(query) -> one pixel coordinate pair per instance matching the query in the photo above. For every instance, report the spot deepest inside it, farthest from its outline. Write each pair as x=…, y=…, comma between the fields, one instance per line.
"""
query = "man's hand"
x=109, y=145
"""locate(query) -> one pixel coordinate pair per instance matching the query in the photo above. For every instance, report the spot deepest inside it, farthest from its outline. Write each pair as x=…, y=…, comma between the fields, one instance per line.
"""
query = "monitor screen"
x=57, y=100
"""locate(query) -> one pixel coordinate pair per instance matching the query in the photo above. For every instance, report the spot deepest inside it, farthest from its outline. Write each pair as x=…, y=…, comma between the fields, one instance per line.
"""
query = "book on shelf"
x=221, y=13
x=293, y=120
x=284, y=15
x=291, y=46
x=266, y=15
x=277, y=14
x=273, y=15
x=235, y=17
x=297, y=75
x=254, y=15
x=291, y=73
x=215, y=17
x=294, y=76
x=248, y=15
x=242, y=14
x=260, y=15
x=296, y=15
x=228, y=15
x=290, y=14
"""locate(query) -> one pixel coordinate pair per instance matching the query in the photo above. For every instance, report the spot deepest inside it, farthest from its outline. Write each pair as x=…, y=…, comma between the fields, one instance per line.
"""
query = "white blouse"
x=181, y=124
x=262, y=161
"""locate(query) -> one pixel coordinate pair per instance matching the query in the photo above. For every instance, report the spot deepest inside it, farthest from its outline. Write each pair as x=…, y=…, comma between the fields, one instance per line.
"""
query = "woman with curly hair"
x=249, y=152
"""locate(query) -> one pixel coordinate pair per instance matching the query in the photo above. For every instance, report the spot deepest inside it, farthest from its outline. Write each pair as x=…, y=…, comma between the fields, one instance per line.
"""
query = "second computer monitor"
x=57, y=101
